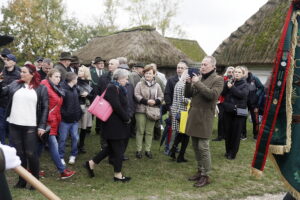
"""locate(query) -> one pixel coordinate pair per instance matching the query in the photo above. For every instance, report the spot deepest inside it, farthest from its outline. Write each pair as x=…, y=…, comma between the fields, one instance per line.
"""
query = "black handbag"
x=45, y=136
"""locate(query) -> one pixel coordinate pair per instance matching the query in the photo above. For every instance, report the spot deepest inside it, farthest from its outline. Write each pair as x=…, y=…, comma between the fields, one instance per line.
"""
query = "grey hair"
x=212, y=59
x=228, y=68
x=48, y=61
x=122, y=60
x=120, y=73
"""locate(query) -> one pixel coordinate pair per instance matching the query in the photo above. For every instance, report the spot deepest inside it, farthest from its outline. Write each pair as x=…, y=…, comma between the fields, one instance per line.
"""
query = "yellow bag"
x=183, y=119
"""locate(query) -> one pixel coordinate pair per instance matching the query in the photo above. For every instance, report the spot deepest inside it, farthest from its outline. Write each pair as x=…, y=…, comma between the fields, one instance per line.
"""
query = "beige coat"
x=204, y=95
x=143, y=91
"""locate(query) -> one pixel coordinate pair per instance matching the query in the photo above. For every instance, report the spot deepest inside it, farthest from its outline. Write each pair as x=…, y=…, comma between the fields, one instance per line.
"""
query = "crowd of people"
x=46, y=98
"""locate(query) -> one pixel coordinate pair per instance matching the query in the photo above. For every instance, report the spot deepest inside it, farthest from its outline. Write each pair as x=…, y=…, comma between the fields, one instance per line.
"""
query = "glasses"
x=204, y=64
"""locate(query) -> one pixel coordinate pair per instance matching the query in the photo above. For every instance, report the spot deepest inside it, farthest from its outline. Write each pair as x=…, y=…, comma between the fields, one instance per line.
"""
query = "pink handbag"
x=101, y=108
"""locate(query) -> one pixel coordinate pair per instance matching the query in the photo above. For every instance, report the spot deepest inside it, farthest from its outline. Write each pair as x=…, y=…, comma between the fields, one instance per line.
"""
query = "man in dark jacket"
x=97, y=71
x=256, y=89
x=47, y=65
x=70, y=114
x=74, y=65
x=63, y=64
x=10, y=73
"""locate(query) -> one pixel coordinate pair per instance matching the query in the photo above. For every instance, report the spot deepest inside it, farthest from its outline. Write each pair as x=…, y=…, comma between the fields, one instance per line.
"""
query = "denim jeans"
x=64, y=130
x=53, y=149
x=3, y=126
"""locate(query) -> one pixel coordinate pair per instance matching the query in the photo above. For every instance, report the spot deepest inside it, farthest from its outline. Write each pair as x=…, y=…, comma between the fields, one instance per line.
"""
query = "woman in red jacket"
x=55, y=95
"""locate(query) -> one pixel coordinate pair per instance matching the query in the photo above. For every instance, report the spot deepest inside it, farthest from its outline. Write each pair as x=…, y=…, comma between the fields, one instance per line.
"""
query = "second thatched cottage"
x=254, y=44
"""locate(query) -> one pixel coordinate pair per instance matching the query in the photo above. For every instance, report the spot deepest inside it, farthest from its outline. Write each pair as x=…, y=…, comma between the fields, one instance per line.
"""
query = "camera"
x=193, y=71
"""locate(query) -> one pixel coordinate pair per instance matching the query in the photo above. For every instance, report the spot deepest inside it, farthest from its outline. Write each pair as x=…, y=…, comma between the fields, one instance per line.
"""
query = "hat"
x=124, y=66
x=74, y=60
x=11, y=57
x=39, y=59
x=98, y=59
x=65, y=56
x=139, y=65
x=4, y=52
x=5, y=39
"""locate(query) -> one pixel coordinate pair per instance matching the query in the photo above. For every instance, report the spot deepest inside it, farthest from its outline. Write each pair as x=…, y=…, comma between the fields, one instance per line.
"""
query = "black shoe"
x=173, y=156
x=217, y=139
x=181, y=159
x=148, y=154
x=81, y=150
x=125, y=158
x=230, y=157
x=123, y=179
x=31, y=188
x=90, y=171
x=138, y=155
x=20, y=185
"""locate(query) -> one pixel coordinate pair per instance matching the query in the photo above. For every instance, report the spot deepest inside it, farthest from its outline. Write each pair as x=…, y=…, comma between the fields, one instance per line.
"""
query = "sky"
x=207, y=21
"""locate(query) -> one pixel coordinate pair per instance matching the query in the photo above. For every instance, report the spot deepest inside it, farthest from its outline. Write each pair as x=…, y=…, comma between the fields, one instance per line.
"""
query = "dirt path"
x=266, y=197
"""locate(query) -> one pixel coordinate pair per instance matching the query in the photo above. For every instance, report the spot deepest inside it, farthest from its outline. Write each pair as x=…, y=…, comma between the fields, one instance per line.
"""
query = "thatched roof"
x=256, y=41
x=190, y=47
x=140, y=44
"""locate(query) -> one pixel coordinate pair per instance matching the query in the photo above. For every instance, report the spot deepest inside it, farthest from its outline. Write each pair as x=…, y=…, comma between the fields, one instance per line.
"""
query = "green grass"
x=158, y=178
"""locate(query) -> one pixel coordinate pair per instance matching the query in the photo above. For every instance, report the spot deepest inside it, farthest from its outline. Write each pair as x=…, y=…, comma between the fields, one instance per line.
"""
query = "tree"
x=139, y=12
x=37, y=26
x=110, y=14
x=157, y=13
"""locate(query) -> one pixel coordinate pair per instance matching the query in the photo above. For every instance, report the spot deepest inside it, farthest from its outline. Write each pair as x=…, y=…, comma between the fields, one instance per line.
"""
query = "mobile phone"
x=193, y=71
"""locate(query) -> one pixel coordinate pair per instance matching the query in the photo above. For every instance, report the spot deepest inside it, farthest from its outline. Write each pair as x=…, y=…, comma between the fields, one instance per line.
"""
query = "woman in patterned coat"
x=179, y=104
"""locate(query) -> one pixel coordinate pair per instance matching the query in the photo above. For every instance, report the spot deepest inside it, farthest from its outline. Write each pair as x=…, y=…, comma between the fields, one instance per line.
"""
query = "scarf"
x=205, y=76
x=122, y=88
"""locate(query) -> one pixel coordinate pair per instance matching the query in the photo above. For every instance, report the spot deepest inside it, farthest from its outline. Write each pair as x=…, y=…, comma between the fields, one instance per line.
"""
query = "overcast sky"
x=207, y=21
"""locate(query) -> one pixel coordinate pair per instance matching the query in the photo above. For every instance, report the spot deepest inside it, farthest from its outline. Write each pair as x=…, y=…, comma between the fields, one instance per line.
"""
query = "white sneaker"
x=63, y=161
x=72, y=160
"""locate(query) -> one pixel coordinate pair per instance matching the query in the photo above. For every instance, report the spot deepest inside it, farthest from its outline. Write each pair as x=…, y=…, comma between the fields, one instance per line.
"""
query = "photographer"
x=235, y=93
x=204, y=91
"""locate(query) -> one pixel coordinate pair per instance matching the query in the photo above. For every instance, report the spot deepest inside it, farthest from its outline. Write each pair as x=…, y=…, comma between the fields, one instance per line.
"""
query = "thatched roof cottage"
x=138, y=45
x=254, y=44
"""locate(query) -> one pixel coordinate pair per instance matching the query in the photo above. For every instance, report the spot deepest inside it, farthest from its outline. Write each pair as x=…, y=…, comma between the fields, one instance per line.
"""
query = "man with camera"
x=204, y=90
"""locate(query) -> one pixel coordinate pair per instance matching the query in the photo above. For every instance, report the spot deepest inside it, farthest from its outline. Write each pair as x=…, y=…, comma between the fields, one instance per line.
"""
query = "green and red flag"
x=279, y=133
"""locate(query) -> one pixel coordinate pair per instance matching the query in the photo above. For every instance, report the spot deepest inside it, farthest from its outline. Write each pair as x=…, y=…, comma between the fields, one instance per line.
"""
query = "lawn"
x=159, y=178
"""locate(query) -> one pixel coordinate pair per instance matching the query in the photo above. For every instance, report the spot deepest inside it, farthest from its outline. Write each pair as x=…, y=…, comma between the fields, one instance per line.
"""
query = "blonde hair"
x=86, y=72
x=241, y=68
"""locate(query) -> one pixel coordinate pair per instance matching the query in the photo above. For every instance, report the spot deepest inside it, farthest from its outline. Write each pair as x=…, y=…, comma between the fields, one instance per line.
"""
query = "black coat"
x=169, y=91
x=70, y=110
x=236, y=96
x=104, y=80
x=9, y=77
x=131, y=99
x=42, y=101
x=115, y=128
x=42, y=74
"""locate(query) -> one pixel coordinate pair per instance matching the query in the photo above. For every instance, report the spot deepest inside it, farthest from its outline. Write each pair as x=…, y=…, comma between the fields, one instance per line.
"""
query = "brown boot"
x=196, y=177
x=204, y=180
